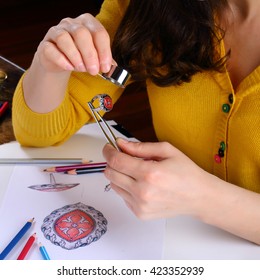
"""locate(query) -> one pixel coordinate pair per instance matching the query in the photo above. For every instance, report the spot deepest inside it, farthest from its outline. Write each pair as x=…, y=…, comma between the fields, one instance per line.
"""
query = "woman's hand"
x=81, y=44
x=155, y=179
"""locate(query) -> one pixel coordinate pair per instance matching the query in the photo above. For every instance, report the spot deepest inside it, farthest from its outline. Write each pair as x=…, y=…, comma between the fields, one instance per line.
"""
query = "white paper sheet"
x=126, y=237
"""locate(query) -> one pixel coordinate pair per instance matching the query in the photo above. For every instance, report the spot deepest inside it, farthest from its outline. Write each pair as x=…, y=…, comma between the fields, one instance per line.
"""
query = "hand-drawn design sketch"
x=74, y=226
x=53, y=186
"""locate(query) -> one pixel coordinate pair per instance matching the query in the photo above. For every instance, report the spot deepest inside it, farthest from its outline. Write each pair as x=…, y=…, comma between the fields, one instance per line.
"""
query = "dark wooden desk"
x=132, y=110
x=7, y=88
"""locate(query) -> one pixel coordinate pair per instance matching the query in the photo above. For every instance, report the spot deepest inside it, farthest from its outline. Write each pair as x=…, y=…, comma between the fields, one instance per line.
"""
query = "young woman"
x=200, y=61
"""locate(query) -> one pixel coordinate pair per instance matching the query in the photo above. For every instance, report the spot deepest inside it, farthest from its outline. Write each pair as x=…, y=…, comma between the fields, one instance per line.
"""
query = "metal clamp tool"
x=118, y=76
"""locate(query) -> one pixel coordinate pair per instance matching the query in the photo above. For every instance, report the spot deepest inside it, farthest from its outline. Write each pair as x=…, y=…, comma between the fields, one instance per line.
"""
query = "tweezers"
x=105, y=128
x=119, y=77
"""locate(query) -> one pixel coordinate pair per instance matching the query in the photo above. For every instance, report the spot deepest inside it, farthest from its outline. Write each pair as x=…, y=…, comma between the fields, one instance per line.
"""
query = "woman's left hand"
x=155, y=179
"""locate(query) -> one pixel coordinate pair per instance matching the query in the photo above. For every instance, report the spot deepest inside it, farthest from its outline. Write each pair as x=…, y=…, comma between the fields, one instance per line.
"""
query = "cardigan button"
x=217, y=158
x=222, y=146
x=221, y=153
x=230, y=98
x=225, y=108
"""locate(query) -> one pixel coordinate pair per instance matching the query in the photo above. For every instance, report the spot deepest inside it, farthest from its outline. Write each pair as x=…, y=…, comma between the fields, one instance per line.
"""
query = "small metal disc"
x=116, y=75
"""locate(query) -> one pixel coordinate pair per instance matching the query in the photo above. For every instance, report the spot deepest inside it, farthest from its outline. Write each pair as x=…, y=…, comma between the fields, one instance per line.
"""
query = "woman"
x=200, y=60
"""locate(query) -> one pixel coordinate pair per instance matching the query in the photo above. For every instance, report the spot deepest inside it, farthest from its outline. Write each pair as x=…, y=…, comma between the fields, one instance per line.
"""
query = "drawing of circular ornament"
x=74, y=226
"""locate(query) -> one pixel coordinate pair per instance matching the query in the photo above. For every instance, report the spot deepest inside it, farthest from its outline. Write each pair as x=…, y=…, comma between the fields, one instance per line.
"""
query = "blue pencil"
x=16, y=239
x=44, y=252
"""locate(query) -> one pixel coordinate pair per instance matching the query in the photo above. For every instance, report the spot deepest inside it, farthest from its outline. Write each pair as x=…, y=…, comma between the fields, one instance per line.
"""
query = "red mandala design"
x=74, y=225
x=108, y=103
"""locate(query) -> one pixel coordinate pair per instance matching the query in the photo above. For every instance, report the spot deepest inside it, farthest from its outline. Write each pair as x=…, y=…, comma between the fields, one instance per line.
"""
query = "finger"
x=102, y=44
x=124, y=163
x=153, y=151
x=101, y=41
x=53, y=58
x=62, y=38
x=128, y=199
x=121, y=192
x=117, y=178
x=83, y=40
x=140, y=210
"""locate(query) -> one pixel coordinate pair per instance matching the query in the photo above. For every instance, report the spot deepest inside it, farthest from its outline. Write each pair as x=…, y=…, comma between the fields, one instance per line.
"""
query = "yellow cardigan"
x=216, y=126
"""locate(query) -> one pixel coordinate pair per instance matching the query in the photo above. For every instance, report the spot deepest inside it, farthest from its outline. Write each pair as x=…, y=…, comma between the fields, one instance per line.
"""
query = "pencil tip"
x=86, y=160
x=50, y=169
x=71, y=172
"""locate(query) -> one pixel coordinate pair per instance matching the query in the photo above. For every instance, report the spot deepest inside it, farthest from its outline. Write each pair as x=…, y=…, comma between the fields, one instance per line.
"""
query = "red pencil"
x=27, y=247
x=66, y=168
x=3, y=107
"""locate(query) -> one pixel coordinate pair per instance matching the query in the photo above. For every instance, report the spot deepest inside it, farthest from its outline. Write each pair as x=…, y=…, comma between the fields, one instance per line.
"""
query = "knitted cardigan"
x=215, y=125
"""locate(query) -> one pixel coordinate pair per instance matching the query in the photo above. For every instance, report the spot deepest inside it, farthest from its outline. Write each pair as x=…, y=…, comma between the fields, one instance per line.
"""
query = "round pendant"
x=102, y=102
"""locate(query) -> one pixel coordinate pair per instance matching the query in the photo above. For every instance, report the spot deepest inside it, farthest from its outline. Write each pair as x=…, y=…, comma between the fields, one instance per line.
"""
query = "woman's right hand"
x=76, y=44
x=79, y=44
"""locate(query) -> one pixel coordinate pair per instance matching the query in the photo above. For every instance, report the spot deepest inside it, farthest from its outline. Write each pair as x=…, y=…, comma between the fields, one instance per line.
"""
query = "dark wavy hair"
x=168, y=41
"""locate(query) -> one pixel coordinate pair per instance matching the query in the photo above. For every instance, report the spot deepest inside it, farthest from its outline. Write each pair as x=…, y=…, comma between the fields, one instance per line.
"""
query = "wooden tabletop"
x=132, y=110
x=7, y=87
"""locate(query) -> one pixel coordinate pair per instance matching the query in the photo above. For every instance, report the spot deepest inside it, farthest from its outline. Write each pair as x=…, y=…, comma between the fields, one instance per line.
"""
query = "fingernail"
x=81, y=67
x=93, y=70
x=122, y=140
x=105, y=67
x=69, y=67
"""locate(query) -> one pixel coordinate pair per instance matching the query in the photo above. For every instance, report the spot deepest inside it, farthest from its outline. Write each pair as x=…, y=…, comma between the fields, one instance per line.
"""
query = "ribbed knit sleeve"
x=53, y=128
x=32, y=127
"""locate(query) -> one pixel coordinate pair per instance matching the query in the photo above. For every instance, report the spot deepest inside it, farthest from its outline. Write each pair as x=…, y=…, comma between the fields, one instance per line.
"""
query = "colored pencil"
x=65, y=168
x=42, y=161
x=27, y=247
x=3, y=107
x=16, y=239
x=43, y=252
x=85, y=171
